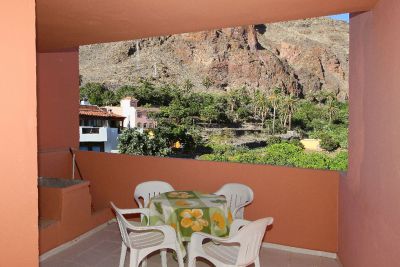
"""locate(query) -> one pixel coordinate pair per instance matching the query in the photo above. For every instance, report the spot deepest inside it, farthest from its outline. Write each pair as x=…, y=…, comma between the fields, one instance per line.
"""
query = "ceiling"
x=64, y=24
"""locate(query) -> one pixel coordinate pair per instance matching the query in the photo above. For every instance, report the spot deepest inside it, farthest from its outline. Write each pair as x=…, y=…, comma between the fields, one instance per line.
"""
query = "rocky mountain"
x=302, y=56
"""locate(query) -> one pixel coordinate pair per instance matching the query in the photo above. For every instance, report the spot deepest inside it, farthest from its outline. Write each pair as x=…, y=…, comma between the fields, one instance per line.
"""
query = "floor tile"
x=103, y=248
x=327, y=262
x=303, y=260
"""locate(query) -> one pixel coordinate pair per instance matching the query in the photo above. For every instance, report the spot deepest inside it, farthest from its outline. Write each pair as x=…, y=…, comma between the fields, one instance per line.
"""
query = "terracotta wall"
x=70, y=207
x=370, y=194
x=303, y=202
x=70, y=23
x=58, y=105
x=18, y=158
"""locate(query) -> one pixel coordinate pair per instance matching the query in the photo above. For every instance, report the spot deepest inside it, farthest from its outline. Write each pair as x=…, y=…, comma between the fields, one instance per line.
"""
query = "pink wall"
x=18, y=157
x=303, y=202
x=145, y=119
x=58, y=105
x=370, y=194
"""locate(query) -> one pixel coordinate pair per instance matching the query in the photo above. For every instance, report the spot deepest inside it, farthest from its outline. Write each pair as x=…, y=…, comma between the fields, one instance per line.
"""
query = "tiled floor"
x=102, y=249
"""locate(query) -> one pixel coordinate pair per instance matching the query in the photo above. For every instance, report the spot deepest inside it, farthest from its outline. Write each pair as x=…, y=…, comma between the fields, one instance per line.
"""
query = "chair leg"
x=179, y=255
x=123, y=255
x=257, y=262
x=163, y=254
x=133, y=262
x=191, y=261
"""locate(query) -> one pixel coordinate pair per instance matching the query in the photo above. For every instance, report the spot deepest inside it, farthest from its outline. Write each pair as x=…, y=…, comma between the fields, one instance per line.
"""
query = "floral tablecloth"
x=191, y=211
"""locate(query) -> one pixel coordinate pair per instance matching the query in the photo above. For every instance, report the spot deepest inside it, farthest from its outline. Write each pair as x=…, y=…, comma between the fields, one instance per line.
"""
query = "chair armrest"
x=143, y=211
x=239, y=207
x=237, y=225
x=198, y=237
x=168, y=231
x=196, y=242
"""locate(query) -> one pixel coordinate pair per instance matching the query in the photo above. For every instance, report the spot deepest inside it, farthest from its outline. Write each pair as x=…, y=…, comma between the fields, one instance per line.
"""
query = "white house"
x=99, y=128
x=134, y=116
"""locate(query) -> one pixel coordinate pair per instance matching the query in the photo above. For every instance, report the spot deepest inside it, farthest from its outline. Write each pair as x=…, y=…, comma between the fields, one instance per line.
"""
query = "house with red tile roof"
x=99, y=128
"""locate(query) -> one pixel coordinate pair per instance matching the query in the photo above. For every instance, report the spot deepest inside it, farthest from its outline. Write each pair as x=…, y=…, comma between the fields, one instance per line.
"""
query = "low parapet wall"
x=303, y=202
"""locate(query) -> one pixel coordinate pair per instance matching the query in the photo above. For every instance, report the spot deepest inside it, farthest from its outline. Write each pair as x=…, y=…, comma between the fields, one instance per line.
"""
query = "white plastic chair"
x=143, y=240
x=240, y=249
x=145, y=191
x=238, y=196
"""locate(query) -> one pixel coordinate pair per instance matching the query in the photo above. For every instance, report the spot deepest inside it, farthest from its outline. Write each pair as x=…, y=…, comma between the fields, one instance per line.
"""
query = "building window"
x=114, y=124
x=139, y=125
x=139, y=114
x=144, y=125
x=92, y=146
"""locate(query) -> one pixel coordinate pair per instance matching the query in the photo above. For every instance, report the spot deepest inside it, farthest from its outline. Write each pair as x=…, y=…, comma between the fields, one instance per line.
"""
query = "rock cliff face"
x=300, y=56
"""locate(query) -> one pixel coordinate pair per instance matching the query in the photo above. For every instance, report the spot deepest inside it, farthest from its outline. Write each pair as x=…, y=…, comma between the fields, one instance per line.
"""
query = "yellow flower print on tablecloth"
x=219, y=220
x=177, y=194
x=193, y=219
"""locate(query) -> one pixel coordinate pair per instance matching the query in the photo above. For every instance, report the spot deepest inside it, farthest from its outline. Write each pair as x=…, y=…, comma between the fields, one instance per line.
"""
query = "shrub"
x=274, y=140
x=328, y=143
x=207, y=82
x=213, y=157
x=125, y=91
x=247, y=157
x=296, y=142
x=312, y=160
x=281, y=154
x=97, y=94
x=308, y=116
x=340, y=162
x=133, y=142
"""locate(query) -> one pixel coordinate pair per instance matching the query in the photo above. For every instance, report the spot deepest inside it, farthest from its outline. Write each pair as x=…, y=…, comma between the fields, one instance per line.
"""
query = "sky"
x=344, y=17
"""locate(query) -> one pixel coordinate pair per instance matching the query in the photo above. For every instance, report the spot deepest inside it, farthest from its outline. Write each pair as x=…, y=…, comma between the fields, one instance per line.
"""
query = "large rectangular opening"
x=265, y=94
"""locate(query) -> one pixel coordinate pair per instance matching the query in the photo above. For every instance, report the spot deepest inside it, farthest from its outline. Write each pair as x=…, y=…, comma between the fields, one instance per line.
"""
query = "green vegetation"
x=134, y=142
x=285, y=154
x=189, y=120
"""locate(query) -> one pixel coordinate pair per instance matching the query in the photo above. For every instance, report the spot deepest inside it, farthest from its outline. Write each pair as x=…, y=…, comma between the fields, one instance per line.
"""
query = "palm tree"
x=274, y=99
x=238, y=99
x=290, y=106
x=261, y=105
x=332, y=108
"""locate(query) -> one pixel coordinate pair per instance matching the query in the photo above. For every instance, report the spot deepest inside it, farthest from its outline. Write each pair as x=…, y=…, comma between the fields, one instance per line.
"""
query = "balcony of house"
x=96, y=134
x=101, y=139
x=303, y=203
x=316, y=212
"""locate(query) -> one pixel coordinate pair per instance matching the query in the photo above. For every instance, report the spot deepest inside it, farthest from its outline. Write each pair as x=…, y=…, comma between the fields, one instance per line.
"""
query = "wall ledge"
x=301, y=250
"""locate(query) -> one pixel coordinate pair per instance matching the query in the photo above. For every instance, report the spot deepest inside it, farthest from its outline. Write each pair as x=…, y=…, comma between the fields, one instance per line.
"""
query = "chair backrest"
x=237, y=195
x=145, y=191
x=122, y=222
x=250, y=237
